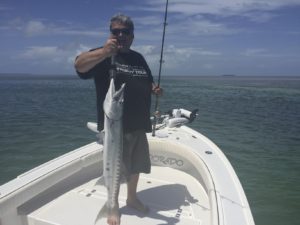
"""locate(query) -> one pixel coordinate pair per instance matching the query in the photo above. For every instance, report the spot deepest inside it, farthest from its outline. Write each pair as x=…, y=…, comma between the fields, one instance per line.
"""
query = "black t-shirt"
x=133, y=70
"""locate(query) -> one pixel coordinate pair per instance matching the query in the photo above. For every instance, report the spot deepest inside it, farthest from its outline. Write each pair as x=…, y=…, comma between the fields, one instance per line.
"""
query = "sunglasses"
x=117, y=32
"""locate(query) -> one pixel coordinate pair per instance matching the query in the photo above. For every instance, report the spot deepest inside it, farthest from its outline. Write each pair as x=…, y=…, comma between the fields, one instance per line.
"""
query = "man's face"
x=123, y=35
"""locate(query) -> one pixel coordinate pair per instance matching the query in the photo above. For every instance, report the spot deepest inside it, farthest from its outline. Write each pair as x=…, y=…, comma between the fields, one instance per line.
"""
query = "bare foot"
x=113, y=217
x=137, y=205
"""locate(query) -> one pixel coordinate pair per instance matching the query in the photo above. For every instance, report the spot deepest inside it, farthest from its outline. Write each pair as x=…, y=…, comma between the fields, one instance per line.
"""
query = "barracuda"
x=113, y=146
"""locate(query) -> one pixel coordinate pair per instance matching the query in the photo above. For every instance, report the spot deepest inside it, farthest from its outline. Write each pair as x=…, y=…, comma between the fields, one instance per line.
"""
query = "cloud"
x=60, y=56
x=175, y=56
x=260, y=17
x=40, y=52
x=189, y=7
x=148, y=21
x=244, y=8
x=37, y=27
x=254, y=52
x=206, y=18
x=260, y=52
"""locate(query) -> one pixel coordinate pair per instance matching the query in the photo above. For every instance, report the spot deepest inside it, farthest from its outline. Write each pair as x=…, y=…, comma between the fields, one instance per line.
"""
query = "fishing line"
x=160, y=67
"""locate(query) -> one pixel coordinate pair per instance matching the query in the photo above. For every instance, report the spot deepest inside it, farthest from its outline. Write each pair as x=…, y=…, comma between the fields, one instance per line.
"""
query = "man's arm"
x=87, y=60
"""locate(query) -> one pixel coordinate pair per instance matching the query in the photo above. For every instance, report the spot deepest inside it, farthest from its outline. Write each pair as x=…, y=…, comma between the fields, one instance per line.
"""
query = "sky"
x=203, y=37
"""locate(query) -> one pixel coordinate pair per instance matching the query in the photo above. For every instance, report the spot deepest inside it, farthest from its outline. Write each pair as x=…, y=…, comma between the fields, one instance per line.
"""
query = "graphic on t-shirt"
x=135, y=71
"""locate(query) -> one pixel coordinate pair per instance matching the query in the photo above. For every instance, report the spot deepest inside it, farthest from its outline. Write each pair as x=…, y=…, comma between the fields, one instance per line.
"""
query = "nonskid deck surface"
x=173, y=197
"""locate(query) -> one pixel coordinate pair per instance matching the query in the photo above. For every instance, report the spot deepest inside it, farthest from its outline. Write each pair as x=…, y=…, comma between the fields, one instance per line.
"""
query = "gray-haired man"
x=133, y=70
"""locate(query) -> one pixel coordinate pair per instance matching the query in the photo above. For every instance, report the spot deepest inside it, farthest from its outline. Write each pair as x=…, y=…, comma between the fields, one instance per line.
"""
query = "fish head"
x=113, y=103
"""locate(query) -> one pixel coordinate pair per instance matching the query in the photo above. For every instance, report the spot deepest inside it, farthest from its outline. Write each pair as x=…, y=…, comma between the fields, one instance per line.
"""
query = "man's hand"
x=111, y=47
x=157, y=90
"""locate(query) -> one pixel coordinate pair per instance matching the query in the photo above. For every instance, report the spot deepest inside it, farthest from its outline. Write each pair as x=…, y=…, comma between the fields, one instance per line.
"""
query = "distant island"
x=229, y=75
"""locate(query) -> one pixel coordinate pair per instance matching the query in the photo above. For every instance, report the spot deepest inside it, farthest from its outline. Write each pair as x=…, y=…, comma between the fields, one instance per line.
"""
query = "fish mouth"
x=123, y=43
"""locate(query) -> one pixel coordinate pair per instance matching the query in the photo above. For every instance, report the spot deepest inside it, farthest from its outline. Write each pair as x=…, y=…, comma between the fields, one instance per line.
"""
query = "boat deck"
x=67, y=190
x=173, y=197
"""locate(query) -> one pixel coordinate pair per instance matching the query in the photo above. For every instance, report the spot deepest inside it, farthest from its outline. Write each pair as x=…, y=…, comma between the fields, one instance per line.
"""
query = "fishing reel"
x=177, y=117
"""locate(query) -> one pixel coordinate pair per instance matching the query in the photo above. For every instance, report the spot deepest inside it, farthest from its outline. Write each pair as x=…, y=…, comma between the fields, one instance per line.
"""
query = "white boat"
x=191, y=182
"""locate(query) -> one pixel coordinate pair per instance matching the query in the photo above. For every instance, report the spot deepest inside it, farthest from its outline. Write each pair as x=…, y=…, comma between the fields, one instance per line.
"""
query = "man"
x=132, y=69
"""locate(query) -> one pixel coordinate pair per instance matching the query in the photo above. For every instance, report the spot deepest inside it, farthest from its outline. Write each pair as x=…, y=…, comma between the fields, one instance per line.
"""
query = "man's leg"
x=132, y=200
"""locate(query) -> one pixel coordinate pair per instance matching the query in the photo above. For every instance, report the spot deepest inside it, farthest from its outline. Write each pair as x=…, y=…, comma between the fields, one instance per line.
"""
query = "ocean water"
x=254, y=120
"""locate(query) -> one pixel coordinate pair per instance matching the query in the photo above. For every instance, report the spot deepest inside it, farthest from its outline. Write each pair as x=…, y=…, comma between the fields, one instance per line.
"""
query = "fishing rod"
x=160, y=67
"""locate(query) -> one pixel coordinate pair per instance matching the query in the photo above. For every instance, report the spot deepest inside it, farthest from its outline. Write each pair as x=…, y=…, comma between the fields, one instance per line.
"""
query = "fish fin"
x=100, y=181
x=92, y=126
x=100, y=137
x=102, y=213
x=119, y=94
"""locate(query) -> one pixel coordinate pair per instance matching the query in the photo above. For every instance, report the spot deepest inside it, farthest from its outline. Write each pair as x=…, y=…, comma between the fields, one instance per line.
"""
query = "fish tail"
x=102, y=213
